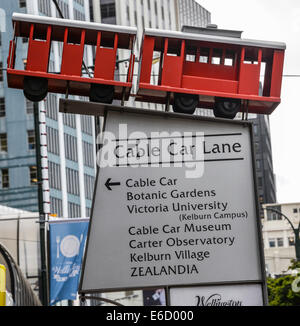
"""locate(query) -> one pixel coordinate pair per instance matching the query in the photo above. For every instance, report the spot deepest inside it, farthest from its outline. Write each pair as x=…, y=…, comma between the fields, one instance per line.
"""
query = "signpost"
x=175, y=204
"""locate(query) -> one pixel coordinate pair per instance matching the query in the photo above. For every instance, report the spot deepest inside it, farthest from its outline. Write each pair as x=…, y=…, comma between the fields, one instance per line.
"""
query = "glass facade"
x=17, y=140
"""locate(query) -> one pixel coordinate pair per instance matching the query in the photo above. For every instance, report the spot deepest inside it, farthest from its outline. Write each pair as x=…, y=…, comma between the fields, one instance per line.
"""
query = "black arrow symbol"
x=109, y=184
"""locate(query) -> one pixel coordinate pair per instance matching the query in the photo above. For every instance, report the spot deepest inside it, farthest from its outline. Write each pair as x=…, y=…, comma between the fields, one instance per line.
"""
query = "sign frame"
x=97, y=109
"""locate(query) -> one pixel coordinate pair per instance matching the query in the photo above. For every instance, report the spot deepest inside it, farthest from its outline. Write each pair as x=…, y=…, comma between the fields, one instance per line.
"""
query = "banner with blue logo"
x=67, y=241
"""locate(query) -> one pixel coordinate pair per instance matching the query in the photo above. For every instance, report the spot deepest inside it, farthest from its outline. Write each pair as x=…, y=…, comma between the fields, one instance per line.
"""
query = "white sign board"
x=156, y=223
x=218, y=295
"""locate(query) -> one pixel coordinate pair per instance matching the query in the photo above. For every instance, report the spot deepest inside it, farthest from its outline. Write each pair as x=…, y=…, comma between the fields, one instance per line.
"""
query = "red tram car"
x=224, y=73
x=37, y=80
x=210, y=71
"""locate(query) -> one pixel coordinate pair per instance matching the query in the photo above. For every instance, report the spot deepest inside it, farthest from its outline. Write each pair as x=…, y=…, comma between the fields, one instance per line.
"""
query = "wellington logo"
x=216, y=300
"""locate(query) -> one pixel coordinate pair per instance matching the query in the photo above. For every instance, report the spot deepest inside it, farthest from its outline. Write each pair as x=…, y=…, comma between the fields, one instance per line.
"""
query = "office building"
x=17, y=142
x=278, y=236
x=191, y=13
x=160, y=14
x=266, y=185
x=69, y=156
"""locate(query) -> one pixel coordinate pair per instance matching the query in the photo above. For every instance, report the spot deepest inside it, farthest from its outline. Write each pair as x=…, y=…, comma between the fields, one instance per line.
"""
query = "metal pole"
x=18, y=240
x=43, y=291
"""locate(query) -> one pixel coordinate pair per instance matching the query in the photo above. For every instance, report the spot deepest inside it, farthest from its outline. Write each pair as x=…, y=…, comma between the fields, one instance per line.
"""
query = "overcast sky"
x=273, y=20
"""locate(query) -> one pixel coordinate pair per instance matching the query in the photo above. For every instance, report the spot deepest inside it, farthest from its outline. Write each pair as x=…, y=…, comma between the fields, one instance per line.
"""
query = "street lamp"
x=295, y=230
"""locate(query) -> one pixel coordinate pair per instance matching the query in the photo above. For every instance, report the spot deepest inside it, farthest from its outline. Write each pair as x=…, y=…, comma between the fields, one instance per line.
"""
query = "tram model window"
x=251, y=56
x=229, y=58
x=204, y=55
x=41, y=34
x=74, y=36
x=174, y=48
x=107, y=41
x=216, y=57
x=191, y=54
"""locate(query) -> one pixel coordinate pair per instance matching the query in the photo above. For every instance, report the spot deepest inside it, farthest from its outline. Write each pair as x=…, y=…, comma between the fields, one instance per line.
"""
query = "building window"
x=295, y=210
x=80, y=2
x=56, y=206
x=22, y=3
x=279, y=242
x=272, y=243
x=71, y=147
x=88, y=154
x=258, y=164
x=33, y=175
x=135, y=18
x=54, y=176
x=276, y=242
x=128, y=13
x=1, y=71
x=52, y=140
x=69, y=120
x=108, y=10
x=74, y=210
x=2, y=107
x=78, y=15
x=3, y=143
x=29, y=107
x=5, y=178
x=89, y=186
x=88, y=211
x=64, y=8
x=255, y=129
x=72, y=181
x=44, y=7
x=272, y=216
x=31, y=140
x=51, y=107
x=86, y=124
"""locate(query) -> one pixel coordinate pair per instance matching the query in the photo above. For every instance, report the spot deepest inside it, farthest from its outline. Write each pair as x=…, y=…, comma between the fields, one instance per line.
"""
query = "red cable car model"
x=213, y=68
x=37, y=81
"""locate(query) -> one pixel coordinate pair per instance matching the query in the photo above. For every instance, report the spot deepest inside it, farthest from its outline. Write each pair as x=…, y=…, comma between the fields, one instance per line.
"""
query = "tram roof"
x=160, y=35
x=23, y=22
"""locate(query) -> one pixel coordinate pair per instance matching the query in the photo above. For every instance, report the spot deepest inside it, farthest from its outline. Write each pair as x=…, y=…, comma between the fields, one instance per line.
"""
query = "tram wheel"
x=35, y=88
x=185, y=103
x=102, y=93
x=226, y=108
